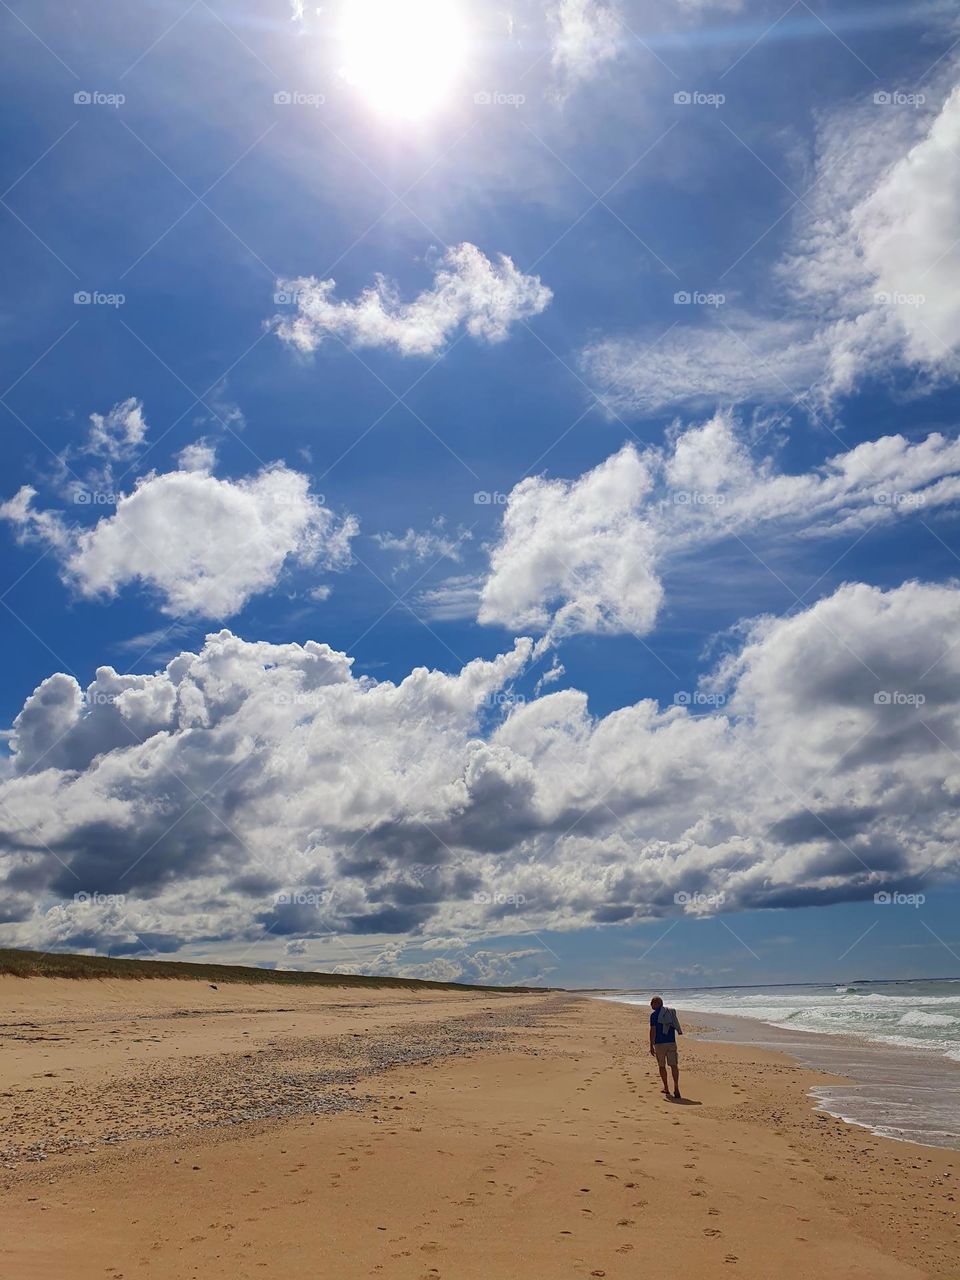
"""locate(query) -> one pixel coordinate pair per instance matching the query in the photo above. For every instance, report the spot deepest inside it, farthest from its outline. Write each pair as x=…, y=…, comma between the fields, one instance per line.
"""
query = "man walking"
x=664, y=1028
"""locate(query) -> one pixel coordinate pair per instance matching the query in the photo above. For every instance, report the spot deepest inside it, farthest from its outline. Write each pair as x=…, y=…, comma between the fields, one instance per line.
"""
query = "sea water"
x=897, y=1042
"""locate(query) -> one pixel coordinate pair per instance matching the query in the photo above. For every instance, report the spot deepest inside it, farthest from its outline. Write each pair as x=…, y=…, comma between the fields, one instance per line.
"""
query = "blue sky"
x=626, y=328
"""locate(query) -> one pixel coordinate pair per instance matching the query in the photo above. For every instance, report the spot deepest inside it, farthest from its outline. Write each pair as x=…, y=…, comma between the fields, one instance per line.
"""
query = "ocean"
x=897, y=1042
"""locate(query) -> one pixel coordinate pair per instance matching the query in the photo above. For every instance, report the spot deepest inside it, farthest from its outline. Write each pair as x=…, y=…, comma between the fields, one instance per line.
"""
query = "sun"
x=402, y=56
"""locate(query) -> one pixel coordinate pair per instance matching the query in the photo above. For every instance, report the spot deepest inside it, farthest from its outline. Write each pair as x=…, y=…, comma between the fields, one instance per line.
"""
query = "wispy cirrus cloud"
x=872, y=278
x=585, y=35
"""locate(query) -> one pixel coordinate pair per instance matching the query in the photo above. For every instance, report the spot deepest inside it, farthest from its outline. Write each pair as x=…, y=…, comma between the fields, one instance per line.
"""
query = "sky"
x=479, y=487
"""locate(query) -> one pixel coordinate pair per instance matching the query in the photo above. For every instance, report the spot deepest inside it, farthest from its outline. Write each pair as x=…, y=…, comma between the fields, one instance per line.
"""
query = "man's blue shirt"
x=662, y=1037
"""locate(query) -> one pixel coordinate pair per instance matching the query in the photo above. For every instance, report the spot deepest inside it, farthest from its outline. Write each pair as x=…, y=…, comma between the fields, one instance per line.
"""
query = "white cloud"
x=697, y=6
x=469, y=291
x=460, y=964
x=119, y=433
x=586, y=34
x=255, y=786
x=452, y=599
x=872, y=275
x=204, y=546
x=907, y=230
x=434, y=543
x=588, y=555
x=199, y=456
x=723, y=360
x=31, y=525
x=576, y=556
x=86, y=466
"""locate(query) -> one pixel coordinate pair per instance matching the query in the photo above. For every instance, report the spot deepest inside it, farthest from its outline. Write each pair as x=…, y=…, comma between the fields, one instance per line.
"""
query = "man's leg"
x=675, y=1068
x=662, y=1064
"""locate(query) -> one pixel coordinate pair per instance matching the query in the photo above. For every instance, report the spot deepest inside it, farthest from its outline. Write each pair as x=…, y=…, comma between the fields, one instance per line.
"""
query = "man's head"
x=656, y=1002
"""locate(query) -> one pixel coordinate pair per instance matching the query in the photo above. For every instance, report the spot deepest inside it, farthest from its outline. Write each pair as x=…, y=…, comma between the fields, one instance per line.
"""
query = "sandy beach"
x=165, y=1129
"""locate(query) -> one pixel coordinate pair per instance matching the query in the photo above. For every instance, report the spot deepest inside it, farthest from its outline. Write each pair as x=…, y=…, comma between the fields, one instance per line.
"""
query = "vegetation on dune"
x=38, y=964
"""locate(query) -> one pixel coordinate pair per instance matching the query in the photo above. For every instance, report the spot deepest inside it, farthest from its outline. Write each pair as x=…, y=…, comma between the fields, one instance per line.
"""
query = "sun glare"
x=402, y=56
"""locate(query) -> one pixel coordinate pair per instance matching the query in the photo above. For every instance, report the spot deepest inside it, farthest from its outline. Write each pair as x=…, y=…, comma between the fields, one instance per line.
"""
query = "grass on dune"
x=38, y=964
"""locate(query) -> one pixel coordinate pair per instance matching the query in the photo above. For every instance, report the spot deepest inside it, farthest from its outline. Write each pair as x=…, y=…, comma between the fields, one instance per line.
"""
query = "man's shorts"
x=666, y=1053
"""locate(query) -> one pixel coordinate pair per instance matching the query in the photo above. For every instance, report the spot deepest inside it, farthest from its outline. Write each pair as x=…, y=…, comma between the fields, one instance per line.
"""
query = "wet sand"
x=907, y=1092
x=159, y=1129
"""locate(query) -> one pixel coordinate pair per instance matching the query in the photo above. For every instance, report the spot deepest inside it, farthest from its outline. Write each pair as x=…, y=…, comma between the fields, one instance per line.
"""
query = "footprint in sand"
x=731, y=1257
x=711, y=1231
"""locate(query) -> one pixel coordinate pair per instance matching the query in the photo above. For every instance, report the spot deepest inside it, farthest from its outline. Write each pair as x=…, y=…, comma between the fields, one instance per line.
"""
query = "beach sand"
x=164, y=1129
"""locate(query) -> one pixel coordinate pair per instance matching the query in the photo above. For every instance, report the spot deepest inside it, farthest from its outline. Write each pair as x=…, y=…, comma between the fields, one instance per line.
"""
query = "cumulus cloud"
x=203, y=546
x=469, y=290
x=255, y=790
x=480, y=965
x=576, y=556
x=199, y=456
x=907, y=230
x=587, y=555
x=873, y=275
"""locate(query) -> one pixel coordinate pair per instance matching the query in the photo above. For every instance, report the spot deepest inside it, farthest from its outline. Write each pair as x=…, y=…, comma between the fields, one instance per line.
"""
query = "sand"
x=162, y=1129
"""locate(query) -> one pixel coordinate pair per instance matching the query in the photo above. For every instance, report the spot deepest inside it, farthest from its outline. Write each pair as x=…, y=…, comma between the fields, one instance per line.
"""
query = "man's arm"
x=653, y=1037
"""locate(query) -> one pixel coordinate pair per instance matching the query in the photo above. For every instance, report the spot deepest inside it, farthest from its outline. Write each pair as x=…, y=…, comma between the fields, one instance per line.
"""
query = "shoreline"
x=494, y=1137
x=901, y=1093
x=917, y=1085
